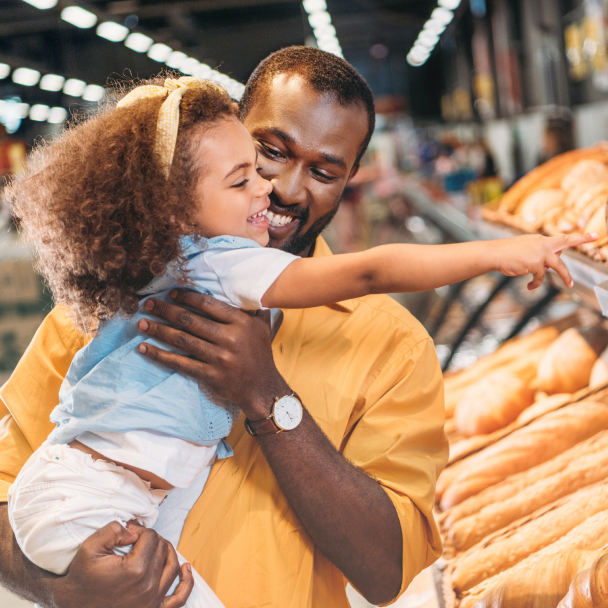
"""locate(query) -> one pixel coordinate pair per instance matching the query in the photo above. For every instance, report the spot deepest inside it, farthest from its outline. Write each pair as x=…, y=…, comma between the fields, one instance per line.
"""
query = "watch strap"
x=266, y=426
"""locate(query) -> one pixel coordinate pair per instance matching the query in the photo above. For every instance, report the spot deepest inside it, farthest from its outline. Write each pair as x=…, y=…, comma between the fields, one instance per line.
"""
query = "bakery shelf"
x=590, y=277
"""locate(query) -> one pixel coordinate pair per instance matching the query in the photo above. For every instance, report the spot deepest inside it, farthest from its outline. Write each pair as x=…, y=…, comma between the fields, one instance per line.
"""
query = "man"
x=348, y=493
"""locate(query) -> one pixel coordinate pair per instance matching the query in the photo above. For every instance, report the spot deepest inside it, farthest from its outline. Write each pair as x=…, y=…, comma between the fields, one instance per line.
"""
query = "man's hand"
x=99, y=578
x=231, y=350
x=534, y=254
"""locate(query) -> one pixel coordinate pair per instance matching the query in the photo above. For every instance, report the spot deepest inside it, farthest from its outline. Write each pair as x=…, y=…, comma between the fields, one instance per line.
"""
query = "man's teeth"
x=278, y=220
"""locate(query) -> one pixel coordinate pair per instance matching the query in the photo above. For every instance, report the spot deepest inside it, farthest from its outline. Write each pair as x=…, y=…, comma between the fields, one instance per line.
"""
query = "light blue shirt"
x=111, y=387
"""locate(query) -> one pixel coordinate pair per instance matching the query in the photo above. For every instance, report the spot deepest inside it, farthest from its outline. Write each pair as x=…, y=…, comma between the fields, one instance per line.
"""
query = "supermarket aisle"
x=419, y=595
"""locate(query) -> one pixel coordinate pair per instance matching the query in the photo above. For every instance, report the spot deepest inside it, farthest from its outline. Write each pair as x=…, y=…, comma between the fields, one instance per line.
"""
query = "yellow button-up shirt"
x=367, y=372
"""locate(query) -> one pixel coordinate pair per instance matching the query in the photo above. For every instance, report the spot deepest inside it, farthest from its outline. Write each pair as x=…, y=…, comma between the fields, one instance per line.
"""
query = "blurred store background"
x=470, y=96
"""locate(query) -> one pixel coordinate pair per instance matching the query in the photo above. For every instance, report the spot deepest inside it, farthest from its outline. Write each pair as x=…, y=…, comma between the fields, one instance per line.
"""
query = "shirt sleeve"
x=246, y=274
x=32, y=391
x=398, y=438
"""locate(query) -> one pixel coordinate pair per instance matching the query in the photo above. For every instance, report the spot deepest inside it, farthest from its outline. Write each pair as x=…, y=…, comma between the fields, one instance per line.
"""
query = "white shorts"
x=62, y=496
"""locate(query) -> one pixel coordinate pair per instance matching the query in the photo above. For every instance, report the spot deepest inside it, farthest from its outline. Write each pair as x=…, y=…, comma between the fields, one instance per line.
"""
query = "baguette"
x=581, y=472
x=591, y=535
x=523, y=449
x=543, y=585
x=589, y=589
x=507, y=550
x=566, y=365
x=518, y=483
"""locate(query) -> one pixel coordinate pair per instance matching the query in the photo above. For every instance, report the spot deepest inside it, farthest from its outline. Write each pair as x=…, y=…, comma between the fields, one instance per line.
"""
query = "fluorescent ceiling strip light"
x=26, y=77
x=52, y=82
x=93, y=92
x=312, y=6
x=5, y=70
x=160, y=52
x=74, y=87
x=138, y=42
x=57, y=115
x=79, y=17
x=176, y=59
x=443, y=15
x=42, y=4
x=39, y=112
x=112, y=31
x=449, y=4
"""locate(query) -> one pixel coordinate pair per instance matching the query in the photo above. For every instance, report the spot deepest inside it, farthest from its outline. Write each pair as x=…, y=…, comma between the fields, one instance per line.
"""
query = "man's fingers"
x=200, y=347
x=182, y=591
x=185, y=319
x=170, y=571
x=573, y=240
x=208, y=305
x=149, y=554
x=179, y=363
x=556, y=263
x=110, y=536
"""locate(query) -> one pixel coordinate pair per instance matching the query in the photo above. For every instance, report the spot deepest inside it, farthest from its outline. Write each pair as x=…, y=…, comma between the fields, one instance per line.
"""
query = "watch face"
x=288, y=413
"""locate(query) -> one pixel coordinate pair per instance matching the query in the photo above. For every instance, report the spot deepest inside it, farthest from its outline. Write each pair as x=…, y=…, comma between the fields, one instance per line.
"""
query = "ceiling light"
x=26, y=77
x=93, y=92
x=312, y=6
x=5, y=70
x=79, y=17
x=435, y=26
x=202, y=70
x=319, y=19
x=74, y=87
x=57, y=115
x=443, y=15
x=415, y=62
x=139, y=42
x=52, y=82
x=160, y=52
x=428, y=38
x=325, y=30
x=176, y=59
x=42, y=4
x=189, y=66
x=449, y=4
x=39, y=112
x=24, y=109
x=112, y=31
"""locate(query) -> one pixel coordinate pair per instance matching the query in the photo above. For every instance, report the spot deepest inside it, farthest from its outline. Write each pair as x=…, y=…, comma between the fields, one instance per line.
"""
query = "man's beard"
x=299, y=242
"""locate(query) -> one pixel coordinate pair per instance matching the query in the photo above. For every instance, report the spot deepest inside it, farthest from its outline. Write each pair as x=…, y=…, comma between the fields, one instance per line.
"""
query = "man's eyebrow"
x=334, y=160
x=236, y=168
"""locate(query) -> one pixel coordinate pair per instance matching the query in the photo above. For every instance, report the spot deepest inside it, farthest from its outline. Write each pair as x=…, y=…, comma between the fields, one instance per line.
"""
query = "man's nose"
x=288, y=185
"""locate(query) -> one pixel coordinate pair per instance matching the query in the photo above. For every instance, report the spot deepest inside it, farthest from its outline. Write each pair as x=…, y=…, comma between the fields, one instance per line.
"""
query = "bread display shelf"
x=590, y=277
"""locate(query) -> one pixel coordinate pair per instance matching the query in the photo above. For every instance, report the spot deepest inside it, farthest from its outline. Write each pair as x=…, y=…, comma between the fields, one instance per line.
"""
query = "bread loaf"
x=540, y=206
x=505, y=552
x=566, y=365
x=541, y=586
x=515, y=484
x=589, y=589
x=523, y=449
x=519, y=355
x=580, y=473
x=591, y=535
x=599, y=371
x=493, y=403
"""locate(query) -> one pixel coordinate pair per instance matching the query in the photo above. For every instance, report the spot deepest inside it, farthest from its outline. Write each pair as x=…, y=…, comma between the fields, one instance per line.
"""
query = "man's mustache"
x=299, y=211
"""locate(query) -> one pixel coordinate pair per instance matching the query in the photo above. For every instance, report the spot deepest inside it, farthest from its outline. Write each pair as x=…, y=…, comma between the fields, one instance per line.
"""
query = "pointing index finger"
x=574, y=240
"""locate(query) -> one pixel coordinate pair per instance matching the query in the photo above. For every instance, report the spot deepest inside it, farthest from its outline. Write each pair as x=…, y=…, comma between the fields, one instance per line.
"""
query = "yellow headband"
x=168, y=116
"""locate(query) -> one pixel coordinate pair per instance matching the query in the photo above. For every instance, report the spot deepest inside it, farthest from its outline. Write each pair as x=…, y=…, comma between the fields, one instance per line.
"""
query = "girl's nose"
x=265, y=187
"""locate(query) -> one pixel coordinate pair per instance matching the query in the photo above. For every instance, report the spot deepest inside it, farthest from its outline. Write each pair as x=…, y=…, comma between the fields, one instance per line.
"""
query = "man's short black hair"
x=326, y=73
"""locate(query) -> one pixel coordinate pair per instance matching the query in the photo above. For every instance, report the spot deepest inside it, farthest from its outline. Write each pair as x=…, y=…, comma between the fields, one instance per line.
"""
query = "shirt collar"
x=322, y=249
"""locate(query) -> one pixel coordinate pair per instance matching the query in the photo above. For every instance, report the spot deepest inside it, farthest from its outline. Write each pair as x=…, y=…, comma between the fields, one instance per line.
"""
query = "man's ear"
x=354, y=170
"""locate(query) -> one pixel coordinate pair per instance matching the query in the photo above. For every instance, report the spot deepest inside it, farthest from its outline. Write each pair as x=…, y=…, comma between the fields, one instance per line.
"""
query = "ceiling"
x=231, y=35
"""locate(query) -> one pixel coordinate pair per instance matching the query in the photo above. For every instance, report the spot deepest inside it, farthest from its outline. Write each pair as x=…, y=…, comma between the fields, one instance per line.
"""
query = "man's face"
x=307, y=147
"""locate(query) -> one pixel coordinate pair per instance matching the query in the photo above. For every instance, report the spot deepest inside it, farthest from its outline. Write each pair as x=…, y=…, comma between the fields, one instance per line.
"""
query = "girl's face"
x=232, y=197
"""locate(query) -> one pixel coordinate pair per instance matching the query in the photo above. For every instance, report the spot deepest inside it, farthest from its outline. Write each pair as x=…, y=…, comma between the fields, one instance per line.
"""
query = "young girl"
x=161, y=190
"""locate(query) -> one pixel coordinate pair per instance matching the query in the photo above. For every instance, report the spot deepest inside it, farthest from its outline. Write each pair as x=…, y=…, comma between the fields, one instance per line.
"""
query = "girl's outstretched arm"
x=312, y=282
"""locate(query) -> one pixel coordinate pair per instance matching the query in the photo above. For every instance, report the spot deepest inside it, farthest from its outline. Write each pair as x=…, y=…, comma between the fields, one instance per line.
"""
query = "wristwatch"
x=285, y=415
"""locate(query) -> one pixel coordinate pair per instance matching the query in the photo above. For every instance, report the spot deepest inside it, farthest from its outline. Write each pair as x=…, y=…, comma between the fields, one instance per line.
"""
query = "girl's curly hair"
x=97, y=209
